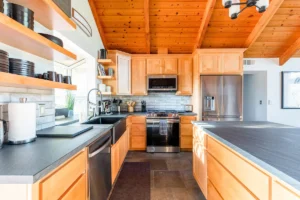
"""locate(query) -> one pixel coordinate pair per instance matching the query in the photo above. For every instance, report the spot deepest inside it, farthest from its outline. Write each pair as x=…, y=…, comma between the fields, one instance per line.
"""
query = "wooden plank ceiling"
x=143, y=26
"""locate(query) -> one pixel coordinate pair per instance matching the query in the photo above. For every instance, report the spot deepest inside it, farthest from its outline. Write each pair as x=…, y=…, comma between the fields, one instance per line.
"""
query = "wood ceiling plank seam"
x=288, y=53
x=204, y=24
x=147, y=25
x=263, y=22
x=98, y=22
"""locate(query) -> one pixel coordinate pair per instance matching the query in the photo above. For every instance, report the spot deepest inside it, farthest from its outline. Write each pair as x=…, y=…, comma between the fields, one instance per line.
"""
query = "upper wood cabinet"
x=124, y=75
x=232, y=63
x=210, y=64
x=155, y=66
x=162, y=66
x=138, y=76
x=220, y=61
x=170, y=66
x=185, y=76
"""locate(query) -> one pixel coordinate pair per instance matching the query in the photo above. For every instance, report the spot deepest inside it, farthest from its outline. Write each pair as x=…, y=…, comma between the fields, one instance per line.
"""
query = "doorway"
x=255, y=96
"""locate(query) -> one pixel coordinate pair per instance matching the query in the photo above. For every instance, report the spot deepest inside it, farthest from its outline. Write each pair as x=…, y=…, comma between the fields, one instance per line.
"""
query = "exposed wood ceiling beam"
x=289, y=52
x=147, y=25
x=204, y=23
x=263, y=22
x=98, y=22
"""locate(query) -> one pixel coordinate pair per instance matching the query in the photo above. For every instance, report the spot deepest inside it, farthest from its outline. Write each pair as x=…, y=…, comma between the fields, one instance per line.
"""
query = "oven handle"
x=155, y=121
x=100, y=149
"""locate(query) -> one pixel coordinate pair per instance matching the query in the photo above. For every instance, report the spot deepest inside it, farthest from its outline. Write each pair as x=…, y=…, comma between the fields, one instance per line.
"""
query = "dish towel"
x=163, y=127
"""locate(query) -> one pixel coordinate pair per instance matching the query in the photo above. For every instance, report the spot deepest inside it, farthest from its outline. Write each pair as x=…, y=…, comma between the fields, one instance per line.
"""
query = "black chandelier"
x=235, y=6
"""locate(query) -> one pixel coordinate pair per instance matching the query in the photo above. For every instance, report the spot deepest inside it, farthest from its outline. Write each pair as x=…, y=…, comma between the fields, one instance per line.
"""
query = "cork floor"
x=171, y=175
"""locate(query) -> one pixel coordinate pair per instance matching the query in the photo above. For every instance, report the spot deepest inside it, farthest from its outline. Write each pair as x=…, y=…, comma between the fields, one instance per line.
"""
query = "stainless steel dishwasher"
x=100, y=168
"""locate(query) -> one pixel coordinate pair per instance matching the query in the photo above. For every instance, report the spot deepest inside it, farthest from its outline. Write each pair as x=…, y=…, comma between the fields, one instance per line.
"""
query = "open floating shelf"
x=16, y=35
x=13, y=80
x=105, y=61
x=105, y=77
x=48, y=14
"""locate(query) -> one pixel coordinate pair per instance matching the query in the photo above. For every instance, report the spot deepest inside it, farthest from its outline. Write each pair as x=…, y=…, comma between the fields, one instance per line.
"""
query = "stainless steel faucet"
x=93, y=105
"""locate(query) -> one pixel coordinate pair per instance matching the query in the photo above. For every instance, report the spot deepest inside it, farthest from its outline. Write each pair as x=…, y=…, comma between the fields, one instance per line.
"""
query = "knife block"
x=130, y=109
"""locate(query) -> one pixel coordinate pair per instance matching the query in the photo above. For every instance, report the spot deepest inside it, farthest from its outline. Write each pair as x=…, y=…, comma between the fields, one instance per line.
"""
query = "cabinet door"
x=170, y=66
x=232, y=64
x=212, y=193
x=78, y=191
x=185, y=77
x=115, y=157
x=124, y=75
x=138, y=72
x=154, y=66
x=210, y=64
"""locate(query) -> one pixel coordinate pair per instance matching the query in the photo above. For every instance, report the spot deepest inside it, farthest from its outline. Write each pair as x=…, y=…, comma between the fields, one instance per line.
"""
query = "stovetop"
x=162, y=114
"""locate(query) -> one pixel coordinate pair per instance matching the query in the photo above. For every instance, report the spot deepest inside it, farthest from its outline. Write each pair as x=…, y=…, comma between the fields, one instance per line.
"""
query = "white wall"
x=274, y=111
x=255, y=96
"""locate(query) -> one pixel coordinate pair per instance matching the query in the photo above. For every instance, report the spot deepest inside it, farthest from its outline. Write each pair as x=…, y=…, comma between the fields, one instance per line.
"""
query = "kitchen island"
x=256, y=160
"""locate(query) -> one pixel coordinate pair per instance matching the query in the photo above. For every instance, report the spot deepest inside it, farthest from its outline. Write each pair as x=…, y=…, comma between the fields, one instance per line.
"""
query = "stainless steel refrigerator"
x=222, y=98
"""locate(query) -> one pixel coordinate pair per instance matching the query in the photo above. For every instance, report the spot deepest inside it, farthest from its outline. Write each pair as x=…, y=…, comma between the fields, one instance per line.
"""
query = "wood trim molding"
x=263, y=22
x=289, y=52
x=99, y=25
x=205, y=20
x=147, y=25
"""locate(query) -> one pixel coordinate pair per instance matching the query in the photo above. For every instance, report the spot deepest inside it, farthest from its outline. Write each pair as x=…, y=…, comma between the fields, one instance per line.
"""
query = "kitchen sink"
x=119, y=125
x=104, y=120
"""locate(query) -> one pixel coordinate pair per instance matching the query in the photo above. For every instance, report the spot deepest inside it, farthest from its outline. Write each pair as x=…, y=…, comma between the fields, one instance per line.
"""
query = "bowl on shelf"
x=21, y=67
x=1, y=6
x=21, y=14
x=4, y=62
x=52, y=38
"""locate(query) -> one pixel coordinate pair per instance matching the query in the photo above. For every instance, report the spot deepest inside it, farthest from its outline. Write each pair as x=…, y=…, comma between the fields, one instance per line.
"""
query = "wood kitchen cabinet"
x=200, y=159
x=162, y=66
x=124, y=75
x=218, y=62
x=118, y=154
x=138, y=76
x=155, y=66
x=186, y=132
x=138, y=134
x=185, y=76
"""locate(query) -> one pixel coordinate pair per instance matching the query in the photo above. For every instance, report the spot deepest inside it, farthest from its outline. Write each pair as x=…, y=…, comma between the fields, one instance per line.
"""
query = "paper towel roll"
x=22, y=121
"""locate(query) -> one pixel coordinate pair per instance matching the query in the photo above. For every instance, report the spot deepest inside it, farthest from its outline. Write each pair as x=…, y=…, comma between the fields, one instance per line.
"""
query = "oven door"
x=162, y=83
x=163, y=135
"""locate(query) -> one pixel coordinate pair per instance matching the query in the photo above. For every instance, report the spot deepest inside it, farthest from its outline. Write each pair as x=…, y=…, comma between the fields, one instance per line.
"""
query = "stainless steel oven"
x=162, y=83
x=163, y=135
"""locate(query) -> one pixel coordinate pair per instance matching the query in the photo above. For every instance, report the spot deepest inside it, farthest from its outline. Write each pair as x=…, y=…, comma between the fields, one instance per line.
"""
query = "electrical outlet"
x=41, y=110
x=269, y=102
x=260, y=102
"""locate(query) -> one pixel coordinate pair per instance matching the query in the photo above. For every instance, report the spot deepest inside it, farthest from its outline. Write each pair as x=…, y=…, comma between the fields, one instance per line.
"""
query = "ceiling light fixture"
x=235, y=10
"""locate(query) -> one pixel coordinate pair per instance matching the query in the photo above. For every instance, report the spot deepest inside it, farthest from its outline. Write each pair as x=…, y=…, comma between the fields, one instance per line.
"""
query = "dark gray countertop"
x=274, y=147
x=28, y=163
x=126, y=114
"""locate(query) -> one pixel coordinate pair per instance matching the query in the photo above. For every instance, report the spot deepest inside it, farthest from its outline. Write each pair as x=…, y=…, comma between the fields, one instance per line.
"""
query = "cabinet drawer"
x=187, y=119
x=227, y=186
x=138, y=129
x=138, y=142
x=279, y=192
x=186, y=142
x=186, y=129
x=57, y=184
x=78, y=191
x=256, y=181
x=212, y=193
x=138, y=120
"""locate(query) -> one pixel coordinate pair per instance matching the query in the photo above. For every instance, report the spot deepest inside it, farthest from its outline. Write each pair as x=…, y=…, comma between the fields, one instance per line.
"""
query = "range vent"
x=249, y=62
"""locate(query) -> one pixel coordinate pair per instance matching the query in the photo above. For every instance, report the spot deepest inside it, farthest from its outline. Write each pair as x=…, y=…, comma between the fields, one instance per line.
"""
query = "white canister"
x=22, y=122
x=102, y=87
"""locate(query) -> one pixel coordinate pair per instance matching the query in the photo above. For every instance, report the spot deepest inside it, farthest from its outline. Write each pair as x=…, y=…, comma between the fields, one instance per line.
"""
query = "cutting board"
x=63, y=131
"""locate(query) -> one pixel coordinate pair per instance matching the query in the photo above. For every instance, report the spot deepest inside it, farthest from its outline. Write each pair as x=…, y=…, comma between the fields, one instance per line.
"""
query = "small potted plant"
x=70, y=104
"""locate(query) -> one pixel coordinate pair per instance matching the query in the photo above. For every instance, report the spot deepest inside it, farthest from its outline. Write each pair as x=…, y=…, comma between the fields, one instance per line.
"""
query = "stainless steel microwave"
x=162, y=83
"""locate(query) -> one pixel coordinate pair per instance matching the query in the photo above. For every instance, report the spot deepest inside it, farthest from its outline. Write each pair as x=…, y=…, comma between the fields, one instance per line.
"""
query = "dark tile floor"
x=171, y=175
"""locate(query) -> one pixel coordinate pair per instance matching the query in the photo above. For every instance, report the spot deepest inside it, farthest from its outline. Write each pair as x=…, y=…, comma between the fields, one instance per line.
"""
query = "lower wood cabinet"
x=118, y=154
x=186, y=132
x=212, y=193
x=78, y=190
x=280, y=192
x=138, y=133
